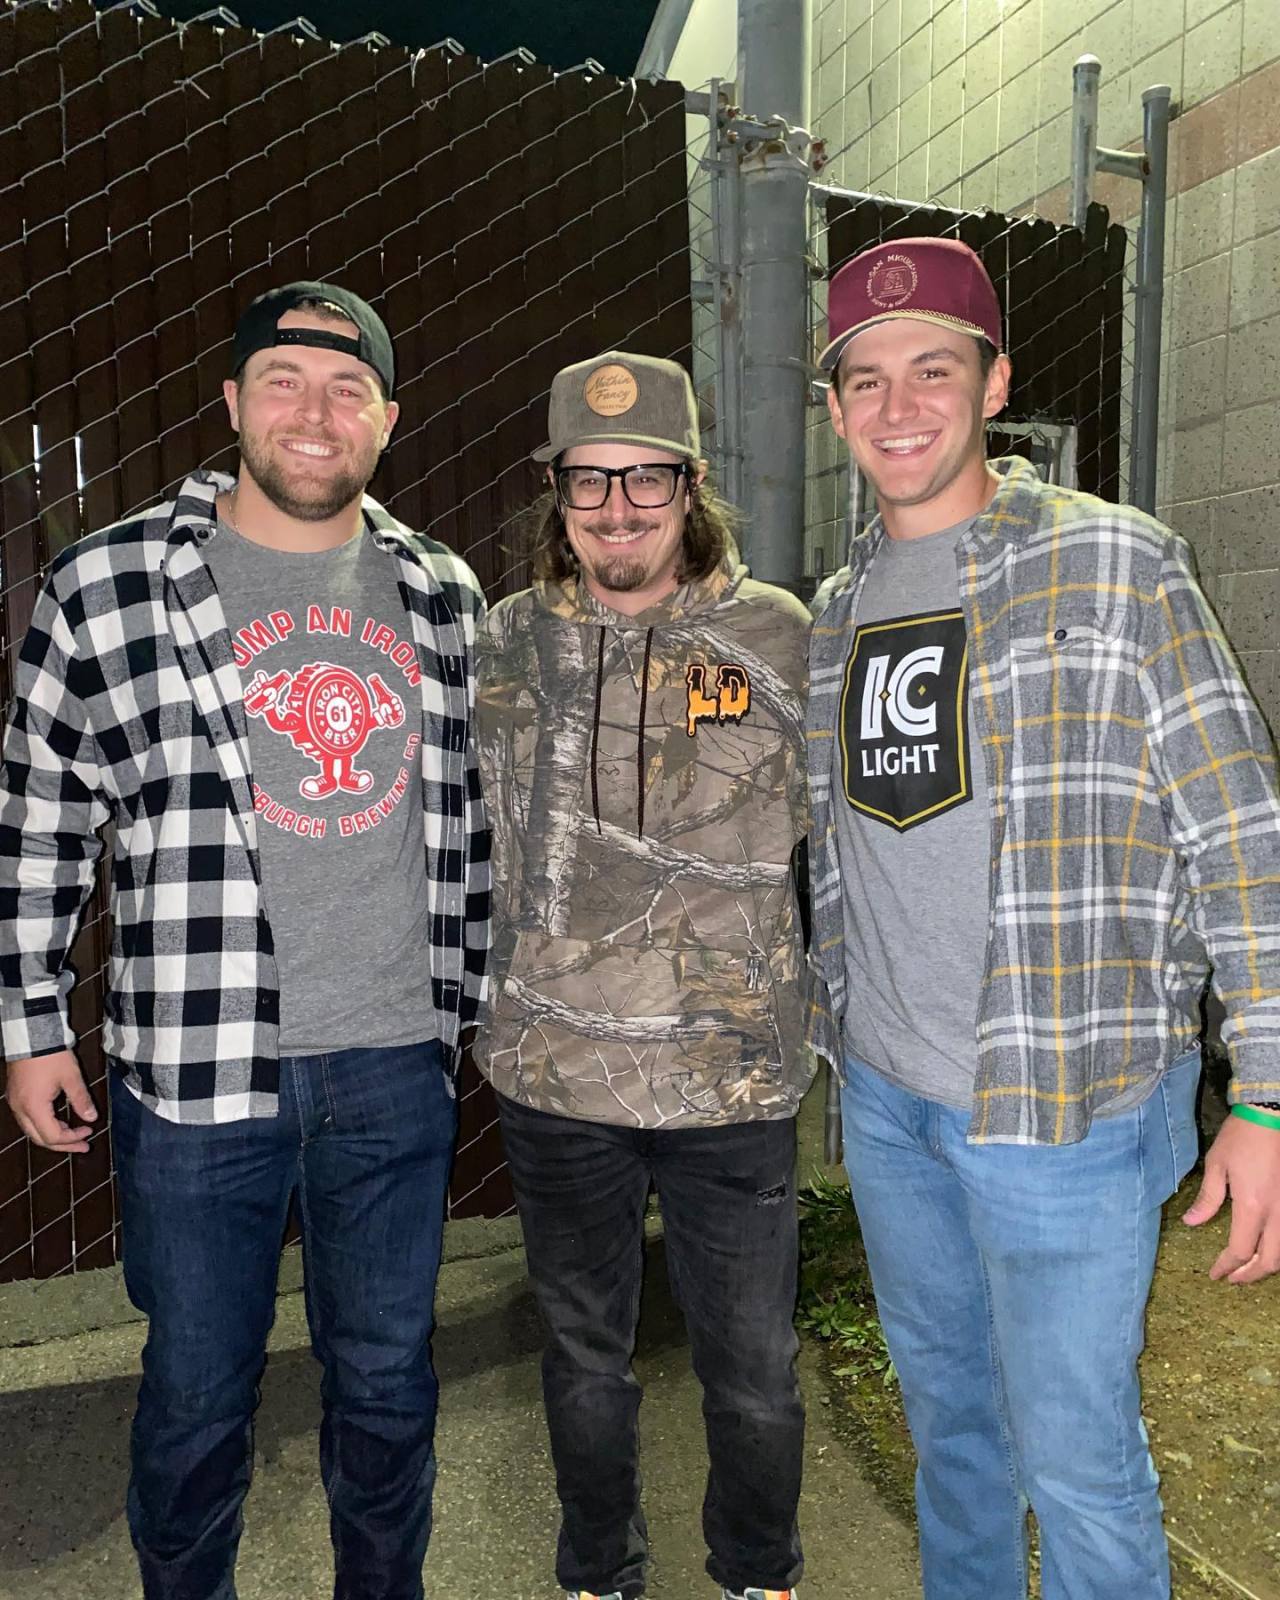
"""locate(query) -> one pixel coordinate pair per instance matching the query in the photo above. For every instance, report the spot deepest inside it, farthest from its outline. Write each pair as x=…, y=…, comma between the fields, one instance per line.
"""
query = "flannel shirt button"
x=1059, y=634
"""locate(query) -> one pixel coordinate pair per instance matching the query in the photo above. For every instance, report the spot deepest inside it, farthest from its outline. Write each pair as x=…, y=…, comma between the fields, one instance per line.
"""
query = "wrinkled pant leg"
x=202, y=1212
x=581, y=1189
x=728, y=1200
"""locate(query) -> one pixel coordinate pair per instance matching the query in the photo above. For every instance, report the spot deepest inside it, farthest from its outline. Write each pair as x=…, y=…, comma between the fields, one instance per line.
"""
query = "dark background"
x=561, y=33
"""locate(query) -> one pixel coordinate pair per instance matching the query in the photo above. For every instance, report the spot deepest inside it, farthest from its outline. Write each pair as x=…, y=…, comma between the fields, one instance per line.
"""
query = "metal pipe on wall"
x=773, y=76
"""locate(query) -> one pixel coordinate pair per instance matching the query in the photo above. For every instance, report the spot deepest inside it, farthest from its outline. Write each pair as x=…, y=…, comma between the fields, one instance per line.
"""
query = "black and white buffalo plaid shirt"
x=128, y=710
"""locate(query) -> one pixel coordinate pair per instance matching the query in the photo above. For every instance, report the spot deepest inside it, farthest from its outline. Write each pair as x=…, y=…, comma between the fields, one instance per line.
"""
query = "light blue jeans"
x=1012, y=1284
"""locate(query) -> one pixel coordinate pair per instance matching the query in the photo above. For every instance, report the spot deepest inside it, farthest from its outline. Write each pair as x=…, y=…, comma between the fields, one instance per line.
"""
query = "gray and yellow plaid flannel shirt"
x=1135, y=823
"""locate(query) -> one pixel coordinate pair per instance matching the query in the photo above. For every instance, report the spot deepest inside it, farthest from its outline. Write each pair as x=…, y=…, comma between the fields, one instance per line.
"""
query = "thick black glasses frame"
x=680, y=474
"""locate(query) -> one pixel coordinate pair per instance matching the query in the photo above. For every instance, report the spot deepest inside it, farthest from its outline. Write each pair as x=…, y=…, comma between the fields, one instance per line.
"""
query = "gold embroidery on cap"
x=611, y=390
x=892, y=281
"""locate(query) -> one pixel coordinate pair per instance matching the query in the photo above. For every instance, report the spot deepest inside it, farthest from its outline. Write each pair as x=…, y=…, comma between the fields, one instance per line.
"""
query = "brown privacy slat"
x=284, y=141
x=490, y=277
x=610, y=260
x=1033, y=275
x=490, y=213
x=642, y=210
x=129, y=259
x=211, y=197
x=173, y=289
x=664, y=104
x=45, y=207
x=518, y=336
x=481, y=1183
x=1018, y=298
x=350, y=239
x=434, y=437
x=248, y=71
x=87, y=249
x=21, y=555
x=92, y=1198
x=1093, y=311
x=15, y=1202
x=396, y=100
x=496, y=451
x=343, y=183
x=576, y=307
x=477, y=97
x=1112, y=364
x=328, y=138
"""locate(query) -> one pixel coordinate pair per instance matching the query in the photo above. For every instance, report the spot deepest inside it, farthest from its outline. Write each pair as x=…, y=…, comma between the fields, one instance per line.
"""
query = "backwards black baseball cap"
x=259, y=329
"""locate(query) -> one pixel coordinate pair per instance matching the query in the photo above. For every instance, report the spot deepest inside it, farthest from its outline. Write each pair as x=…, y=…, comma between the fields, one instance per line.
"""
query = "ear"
x=999, y=378
x=231, y=394
x=392, y=416
x=833, y=405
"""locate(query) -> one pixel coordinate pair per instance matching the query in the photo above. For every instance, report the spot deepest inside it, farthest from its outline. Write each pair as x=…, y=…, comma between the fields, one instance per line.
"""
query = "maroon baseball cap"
x=928, y=280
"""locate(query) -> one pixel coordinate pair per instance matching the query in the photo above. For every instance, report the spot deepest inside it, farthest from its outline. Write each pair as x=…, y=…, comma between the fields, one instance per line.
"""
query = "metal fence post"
x=773, y=78
x=1150, y=299
x=1150, y=166
x=726, y=213
x=1084, y=134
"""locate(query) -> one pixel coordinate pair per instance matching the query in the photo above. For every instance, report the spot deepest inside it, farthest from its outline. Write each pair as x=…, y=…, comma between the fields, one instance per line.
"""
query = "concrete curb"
x=35, y=1311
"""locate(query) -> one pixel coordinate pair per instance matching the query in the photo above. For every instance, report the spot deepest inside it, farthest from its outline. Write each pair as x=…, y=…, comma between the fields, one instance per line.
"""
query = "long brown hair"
x=709, y=528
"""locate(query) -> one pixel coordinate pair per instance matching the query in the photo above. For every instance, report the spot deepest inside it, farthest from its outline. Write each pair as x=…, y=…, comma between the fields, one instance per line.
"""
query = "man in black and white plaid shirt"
x=265, y=687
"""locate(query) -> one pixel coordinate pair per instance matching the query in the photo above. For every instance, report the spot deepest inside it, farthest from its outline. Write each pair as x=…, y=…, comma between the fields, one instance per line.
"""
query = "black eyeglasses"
x=648, y=485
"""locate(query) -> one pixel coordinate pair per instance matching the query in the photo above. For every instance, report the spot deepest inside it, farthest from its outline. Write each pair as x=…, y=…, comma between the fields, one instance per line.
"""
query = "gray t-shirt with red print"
x=330, y=674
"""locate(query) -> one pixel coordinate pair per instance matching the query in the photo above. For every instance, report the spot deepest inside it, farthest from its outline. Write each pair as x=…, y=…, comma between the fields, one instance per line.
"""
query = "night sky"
x=560, y=33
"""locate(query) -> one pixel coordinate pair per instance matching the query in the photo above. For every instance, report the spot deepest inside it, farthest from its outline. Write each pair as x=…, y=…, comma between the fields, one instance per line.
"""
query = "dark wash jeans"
x=366, y=1139
x=729, y=1214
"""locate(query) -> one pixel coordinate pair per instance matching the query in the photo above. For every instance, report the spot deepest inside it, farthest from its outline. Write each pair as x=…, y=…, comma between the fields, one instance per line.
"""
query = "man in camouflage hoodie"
x=641, y=715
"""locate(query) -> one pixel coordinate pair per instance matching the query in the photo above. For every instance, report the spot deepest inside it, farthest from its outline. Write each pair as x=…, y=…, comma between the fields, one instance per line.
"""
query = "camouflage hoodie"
x=646, y=785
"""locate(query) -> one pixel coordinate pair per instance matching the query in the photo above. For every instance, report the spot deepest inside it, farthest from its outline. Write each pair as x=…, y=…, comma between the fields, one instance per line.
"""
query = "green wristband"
x=1264, y=1119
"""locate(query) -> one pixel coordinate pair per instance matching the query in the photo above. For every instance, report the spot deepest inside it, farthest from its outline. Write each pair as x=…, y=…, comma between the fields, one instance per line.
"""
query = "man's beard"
x=621, y=573
x=305, y=499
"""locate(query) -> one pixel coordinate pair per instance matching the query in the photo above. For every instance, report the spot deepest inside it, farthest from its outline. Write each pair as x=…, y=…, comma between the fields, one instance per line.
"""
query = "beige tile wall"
x=968, y=102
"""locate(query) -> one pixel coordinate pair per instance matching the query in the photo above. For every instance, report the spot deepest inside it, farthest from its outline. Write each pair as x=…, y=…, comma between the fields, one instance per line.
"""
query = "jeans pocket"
x=1176, y=1098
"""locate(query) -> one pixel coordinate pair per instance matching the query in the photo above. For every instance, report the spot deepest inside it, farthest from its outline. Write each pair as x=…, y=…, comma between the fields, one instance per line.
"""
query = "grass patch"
x=836, y=1303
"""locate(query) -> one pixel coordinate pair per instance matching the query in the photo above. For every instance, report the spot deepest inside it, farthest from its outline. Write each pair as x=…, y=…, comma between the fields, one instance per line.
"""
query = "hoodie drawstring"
x=644, y=701
x=595, y=732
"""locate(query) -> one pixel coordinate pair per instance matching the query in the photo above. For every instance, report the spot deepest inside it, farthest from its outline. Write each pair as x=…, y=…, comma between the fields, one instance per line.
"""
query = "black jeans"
x=729, y=1213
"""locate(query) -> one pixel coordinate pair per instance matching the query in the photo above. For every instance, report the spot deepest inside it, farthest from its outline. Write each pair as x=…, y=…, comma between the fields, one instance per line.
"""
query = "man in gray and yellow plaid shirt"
x=1044, y=804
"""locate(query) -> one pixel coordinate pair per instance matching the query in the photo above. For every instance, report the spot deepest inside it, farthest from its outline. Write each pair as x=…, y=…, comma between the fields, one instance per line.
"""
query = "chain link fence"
x=507, y=220
x=154, y=177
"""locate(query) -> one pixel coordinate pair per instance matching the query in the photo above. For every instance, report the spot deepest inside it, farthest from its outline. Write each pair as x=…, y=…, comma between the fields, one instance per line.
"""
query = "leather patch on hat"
x=892, y=282
x=611, y=390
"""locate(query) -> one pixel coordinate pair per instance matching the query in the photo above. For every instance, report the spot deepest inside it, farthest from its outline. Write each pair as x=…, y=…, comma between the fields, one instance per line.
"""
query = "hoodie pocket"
x=694, y=998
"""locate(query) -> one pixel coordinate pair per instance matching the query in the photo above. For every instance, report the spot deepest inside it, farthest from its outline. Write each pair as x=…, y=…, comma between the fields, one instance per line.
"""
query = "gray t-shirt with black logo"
x=330, y=678
x=914, y=832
